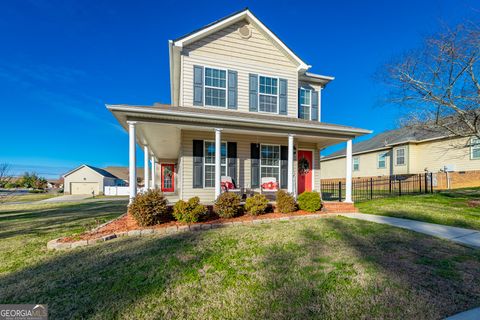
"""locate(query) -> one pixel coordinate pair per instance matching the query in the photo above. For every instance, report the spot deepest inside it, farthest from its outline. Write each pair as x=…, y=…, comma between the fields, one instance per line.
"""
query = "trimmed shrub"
x=256, y=205
x=227, y=205
x=189, y=211
x=309, y=201
x=285, y=202
x=149, y=208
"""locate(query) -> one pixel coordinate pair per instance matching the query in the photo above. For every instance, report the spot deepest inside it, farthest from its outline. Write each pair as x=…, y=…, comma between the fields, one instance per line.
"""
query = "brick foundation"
x=338, y=207
x=459, y=179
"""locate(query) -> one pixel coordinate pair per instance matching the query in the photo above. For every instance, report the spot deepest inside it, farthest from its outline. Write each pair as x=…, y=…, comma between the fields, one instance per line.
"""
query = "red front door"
x=168, y=177
x=304, y=171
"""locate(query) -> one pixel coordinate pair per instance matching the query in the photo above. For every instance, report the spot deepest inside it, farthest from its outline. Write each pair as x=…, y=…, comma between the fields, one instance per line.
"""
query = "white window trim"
x=270, y=166
x=472, y=147
x=266, y=94
x=353, y=163
x=404, y=156
x=205, y=87
x=213, y=165
x=378, y=159
x=307, y=105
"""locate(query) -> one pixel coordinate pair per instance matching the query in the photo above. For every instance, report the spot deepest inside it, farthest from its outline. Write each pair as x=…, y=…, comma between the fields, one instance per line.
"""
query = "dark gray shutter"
x=232, y=161
x=314, y=105
x=232, y=89
x=283, y=167
x=255, y=165
x=282, y=96
x=253, y=92
x=197, y=164
x=197, y=86
x=300, y=109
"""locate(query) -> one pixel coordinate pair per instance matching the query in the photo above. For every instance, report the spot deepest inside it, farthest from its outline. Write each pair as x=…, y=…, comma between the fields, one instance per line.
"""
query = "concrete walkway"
x=66, y=198
x=467, y=237
x=473, y=314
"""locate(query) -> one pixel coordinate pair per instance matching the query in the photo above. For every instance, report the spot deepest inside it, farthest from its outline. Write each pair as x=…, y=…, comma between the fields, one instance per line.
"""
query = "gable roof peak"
x=247, y=14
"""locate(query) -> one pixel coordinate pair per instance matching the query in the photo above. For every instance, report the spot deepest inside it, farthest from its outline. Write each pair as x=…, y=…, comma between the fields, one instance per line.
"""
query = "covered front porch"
x=192, y=151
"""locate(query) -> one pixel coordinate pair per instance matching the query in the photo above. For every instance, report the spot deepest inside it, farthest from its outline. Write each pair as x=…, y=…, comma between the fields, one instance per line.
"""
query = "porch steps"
x=338, y=207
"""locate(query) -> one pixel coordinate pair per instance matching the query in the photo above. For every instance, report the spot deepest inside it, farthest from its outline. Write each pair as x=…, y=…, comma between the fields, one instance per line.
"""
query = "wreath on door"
x=303, y=166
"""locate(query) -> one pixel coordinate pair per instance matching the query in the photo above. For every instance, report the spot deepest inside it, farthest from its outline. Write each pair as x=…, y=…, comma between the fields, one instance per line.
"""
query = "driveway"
x=66, y=198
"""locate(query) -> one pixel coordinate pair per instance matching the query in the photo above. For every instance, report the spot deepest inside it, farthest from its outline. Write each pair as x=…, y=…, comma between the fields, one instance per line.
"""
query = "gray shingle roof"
x=102, y=172
x=389, y=138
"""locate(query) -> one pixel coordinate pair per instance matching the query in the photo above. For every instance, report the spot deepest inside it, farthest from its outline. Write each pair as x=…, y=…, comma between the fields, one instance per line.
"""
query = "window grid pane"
x=268, y=103
x=304, y=112
x=400, y=156
x=475, y=145
x=209, y=158
x=215, y=97
x=305, y=97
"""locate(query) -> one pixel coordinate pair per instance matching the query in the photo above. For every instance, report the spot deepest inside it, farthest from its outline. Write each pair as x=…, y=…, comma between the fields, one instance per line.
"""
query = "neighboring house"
x=122, y=174
x=87, y=179
x=409, y=151
x=55, y=183
x=243, y=105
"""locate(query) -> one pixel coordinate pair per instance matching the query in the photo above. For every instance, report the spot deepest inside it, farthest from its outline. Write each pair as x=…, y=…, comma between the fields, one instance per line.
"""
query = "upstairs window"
x=305, y=103
x=268, y=94
x=215, y=87
x=382, y=160
x=475, y=148
x=400, y=156
x=356, y=163
x=209, y=163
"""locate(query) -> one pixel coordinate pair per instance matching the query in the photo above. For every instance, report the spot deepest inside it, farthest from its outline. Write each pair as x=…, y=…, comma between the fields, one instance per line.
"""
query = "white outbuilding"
x=88, y=180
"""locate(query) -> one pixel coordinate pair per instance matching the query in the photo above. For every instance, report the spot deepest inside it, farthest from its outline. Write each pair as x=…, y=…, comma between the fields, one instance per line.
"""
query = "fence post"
x=371, y=188
x=431, y=182
x=340, y=191
x=389, y=184
x=399, y=187
x=420, y=182
x=426, y=182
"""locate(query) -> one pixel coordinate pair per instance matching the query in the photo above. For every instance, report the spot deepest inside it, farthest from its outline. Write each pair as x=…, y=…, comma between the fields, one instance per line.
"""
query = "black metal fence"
x=379, y=187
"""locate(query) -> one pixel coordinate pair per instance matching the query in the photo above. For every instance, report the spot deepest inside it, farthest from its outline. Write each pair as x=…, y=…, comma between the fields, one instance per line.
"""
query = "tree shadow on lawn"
x=104, y=280
x=330, y=268
x=441, y=275
x=36, y=220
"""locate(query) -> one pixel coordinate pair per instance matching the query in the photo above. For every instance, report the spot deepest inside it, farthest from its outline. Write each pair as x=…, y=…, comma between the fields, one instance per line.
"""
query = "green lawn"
x=446, y=207
x=333, y=268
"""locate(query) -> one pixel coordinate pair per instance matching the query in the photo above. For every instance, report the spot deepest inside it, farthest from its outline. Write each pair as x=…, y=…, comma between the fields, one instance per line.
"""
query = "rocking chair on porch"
x=228, y=185
x=269, y=186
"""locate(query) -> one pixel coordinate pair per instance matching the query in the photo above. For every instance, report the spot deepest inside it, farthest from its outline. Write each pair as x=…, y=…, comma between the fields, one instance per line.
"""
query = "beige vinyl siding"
x=335, y=168
x=243, y=163
x=430, y=155
x=434, y=155
x=226, y=49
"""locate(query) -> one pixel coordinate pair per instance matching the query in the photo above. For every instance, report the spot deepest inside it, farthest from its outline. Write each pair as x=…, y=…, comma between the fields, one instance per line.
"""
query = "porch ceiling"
x=160, y=126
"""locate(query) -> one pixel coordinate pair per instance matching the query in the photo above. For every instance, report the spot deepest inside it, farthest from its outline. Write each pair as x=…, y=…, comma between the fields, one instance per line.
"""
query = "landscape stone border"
x=55, y=244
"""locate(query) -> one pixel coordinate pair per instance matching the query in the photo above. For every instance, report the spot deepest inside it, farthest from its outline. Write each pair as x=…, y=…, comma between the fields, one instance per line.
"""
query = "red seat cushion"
x=270, y=185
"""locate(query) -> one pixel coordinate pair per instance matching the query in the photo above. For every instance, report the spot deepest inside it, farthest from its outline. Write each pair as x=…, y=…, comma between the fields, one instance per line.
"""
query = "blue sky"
x=62, y=61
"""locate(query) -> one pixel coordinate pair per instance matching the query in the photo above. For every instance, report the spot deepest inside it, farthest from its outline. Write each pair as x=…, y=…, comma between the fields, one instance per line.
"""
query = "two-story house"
x=243, y=106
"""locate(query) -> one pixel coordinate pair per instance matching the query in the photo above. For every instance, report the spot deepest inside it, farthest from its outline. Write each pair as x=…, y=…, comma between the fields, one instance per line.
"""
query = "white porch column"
x=348, y=173
x=132, y=170
x=218, y=161
x=154, y=172
x=146, y=174
x=290, y=164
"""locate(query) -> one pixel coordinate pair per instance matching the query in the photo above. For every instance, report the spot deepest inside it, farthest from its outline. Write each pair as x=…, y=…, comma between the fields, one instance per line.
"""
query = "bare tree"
x=438, y=84
x=5, y=178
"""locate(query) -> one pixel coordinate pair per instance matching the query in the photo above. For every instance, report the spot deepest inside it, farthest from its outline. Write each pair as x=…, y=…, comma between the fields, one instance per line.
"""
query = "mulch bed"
x=128, y=223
